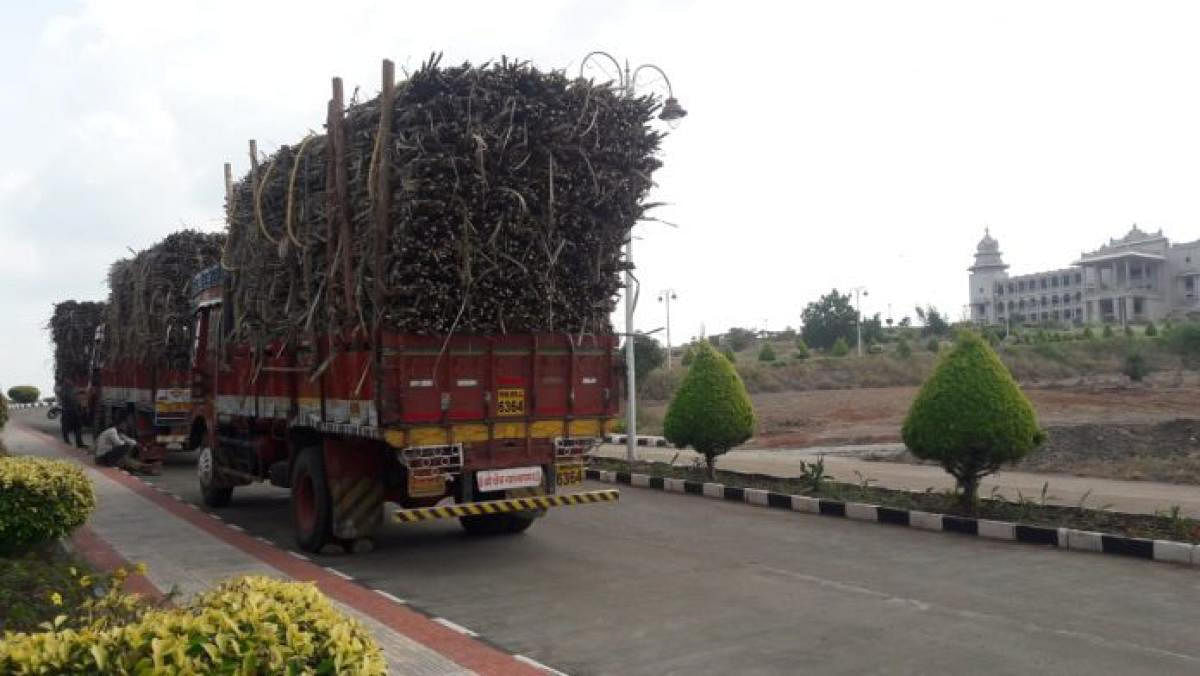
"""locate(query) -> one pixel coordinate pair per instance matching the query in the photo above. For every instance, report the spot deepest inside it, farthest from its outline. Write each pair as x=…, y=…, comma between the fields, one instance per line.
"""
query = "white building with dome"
x=1138, y=278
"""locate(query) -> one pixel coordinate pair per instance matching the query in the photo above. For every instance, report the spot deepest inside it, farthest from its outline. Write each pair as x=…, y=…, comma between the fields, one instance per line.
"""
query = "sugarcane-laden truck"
x=156, y=401
x=497, y=425
x=410, y=314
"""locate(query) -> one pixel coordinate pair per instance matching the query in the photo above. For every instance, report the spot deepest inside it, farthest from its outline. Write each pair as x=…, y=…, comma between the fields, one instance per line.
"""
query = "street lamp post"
x=671, y=112
x=665, y=297
x=858, y=292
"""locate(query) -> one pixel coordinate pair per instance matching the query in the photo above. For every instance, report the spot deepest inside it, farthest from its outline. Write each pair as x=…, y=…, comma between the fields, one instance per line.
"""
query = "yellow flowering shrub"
x=248, y=625
x=41, y=500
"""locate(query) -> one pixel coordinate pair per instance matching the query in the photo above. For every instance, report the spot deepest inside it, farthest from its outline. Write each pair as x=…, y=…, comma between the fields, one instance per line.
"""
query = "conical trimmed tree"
x=711, y=411
x=970, y=416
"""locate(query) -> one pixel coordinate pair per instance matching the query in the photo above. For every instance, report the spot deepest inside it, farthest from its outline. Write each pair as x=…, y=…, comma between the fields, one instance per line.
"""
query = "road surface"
x=664, y=584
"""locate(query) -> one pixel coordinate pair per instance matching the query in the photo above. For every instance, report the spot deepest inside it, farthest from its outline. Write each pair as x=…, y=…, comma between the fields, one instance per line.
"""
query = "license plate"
x=510, y=401
x=502, y=479
x=568, y=475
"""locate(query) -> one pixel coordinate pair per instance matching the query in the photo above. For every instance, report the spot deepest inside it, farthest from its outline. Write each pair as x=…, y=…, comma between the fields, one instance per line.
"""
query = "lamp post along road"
x=858, y=292
x=666, y=297
x=672, y=112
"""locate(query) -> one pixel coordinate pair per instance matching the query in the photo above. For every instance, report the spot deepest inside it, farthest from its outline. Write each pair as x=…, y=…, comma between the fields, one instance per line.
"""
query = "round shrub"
x=711, y=411
x=41, y=500
x=933, y=345
x=1135, y=366
x=767, y=353
x=688, y=356
x=970, y=416
x=840, y=348
x=249, y=625
x=23, y=394
x=1151, y=330
x=1108, y=332
x=903, y=349
x=801, y=349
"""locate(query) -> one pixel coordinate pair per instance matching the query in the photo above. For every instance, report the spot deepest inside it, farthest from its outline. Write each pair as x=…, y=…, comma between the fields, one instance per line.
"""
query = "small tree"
x=24, y=394
x=1151, y=330
x=647, y=356
x=840, y=348
x=1135, y=366
x=767, y=353
x=1184, y=340
x=801, y=349
x=933, y=345
x=1088, y=334
x=1108, y=332
x=827, y=319
x=688, y=355
x=1128, y=331
x=970, y=416
x=711, y=411
x=903, y=349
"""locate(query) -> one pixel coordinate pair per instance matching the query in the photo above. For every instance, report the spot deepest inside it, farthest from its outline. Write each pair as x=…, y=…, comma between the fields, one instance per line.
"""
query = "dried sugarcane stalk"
x=488, y=199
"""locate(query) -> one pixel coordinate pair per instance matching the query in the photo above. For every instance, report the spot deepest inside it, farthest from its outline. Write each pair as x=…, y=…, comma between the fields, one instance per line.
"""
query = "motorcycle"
x=53, y=411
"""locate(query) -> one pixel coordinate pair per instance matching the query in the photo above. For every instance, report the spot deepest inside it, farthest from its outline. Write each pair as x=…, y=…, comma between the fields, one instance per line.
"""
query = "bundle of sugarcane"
x=149, y=316
x=73, y=329
x=492, y=199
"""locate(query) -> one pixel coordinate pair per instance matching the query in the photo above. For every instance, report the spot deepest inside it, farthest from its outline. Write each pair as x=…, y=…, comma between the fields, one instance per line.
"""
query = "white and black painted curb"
x=660, y=442
x=1064, y=538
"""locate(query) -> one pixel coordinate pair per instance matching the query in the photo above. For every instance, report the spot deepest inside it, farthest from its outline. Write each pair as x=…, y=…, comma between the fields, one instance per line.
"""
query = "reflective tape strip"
x=503, y=506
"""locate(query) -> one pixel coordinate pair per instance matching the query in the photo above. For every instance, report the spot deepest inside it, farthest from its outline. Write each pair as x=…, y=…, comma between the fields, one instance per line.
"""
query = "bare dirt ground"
x=872, y=415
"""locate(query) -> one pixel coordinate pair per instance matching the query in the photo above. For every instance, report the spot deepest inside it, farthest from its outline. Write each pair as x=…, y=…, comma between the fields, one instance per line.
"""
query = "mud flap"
x=355, y=489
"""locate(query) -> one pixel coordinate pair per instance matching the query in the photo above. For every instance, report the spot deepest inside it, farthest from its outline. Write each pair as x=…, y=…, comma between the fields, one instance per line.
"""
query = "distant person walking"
x=71, y=418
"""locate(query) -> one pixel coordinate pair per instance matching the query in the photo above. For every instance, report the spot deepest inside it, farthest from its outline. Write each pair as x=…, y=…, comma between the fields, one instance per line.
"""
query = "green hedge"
x=249, y=625
x=41, y=500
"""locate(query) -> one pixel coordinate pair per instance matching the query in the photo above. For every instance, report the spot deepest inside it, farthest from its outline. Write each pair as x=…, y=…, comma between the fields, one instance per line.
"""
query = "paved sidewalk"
x=188, y=550
x=1135, y=497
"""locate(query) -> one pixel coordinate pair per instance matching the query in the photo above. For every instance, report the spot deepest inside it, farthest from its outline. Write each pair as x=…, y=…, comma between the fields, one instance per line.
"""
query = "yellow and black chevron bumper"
x=502, y=506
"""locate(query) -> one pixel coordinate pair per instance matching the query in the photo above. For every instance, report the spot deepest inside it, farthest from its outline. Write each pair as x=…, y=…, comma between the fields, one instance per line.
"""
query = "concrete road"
x=845, y=463
x=664, y=584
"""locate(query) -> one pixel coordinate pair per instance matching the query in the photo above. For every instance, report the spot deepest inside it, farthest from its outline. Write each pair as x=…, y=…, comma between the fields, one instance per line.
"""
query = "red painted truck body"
x=407, y=419
x=158, y=398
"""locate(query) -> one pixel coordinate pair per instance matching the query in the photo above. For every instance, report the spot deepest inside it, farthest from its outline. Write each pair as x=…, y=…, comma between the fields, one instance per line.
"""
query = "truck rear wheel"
x=213, y=493
x=499, y=524
x=496, y=524
x=312, y=508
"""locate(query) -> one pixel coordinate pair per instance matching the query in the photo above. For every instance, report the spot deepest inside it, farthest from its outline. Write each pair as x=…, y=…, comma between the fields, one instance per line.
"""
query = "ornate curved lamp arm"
x=633, y=79
x=620, y=73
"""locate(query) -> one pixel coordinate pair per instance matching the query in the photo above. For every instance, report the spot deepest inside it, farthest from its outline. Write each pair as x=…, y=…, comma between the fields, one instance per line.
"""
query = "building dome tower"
x=988, y=271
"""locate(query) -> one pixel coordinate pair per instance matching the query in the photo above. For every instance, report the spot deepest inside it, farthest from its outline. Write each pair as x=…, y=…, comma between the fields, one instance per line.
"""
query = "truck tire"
x=496, y=524
x=499, y=524
x=212, y=492
x=312, y=508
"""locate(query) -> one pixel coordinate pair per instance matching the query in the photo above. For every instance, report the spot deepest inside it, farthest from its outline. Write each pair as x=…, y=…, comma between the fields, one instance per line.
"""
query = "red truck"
x=491, y=430
x=158, y=398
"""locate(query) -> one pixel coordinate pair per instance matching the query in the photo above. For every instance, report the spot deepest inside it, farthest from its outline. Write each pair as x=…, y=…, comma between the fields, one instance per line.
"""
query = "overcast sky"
x=828, y=144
